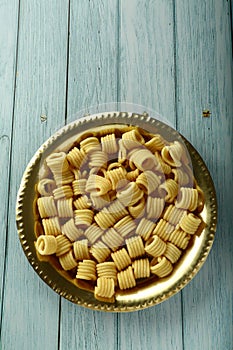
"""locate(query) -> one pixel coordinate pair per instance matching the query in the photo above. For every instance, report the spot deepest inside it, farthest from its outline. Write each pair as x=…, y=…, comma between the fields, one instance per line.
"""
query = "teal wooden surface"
x=204, y=81
x=8, y=43
x=61, y=57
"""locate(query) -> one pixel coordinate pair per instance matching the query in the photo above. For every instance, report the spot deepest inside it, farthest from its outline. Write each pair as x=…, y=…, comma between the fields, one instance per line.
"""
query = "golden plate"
x=149, y=293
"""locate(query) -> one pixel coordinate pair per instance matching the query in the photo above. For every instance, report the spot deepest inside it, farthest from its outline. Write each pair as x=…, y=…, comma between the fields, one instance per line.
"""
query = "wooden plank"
x=204, y=81
x=92, y=78
x=92, y=81
x=146, y=66
x=147, y=77
x=8, y=43
x=30, y=308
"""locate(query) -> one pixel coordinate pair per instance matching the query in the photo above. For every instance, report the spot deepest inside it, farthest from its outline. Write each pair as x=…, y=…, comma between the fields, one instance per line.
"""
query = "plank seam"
x=10, y=160
x=231, y=24
x=118, y=74
x=66, y=109
x=175, y=62
x=68, y=62
x=176, y=125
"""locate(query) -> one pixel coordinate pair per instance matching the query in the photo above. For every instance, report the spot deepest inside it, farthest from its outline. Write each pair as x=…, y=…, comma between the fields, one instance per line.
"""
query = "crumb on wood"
x=43, y=118
x=206, y=113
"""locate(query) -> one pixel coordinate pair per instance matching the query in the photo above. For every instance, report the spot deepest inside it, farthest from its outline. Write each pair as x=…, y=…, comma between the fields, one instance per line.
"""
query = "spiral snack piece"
x=161, y=267
x=46, y=245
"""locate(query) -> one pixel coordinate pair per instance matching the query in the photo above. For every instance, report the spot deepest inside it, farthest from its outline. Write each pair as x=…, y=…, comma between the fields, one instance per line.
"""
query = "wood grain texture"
x=204, y=81
x=92, y=81
x=8, y=44
x=30, y=308
x=146, y=66
x=147, y=77
x=92, y=76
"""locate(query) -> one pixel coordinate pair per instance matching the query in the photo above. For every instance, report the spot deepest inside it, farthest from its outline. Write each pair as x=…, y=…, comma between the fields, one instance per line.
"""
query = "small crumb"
x=206, y=113
x=43, y=118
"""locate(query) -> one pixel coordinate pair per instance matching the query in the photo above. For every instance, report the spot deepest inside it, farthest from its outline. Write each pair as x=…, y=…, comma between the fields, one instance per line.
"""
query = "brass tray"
x=147, y=294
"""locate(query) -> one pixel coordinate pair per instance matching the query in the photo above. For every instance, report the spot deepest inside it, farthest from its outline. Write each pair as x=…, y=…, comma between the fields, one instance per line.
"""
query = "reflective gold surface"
x=148, y=293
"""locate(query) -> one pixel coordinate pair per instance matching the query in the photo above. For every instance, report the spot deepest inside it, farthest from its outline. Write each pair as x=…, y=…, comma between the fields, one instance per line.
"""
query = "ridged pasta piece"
x=76, y=157
x=46, y=245
x=46, y=207
x=156, y=143
x=180, y=238
x=59, y=166
x=115, y=176
x=51, y=226
x=98, y=159
x=114, y=165
x=125, y=226
x=108, y=270
x=117, y=210
x=46, y=186
x=83, y=217
x=162, y=167
x=90, y=144
x=93, y=233
x=109, y=144
x=163, y=229
x=143, y=159
x=187, y=198
x=180, y=176
x=190, y=223
x=82, y=202
x=130, y=194
x=81, y=249
x=154, y=207
x=173, y=215
x=135, y=246
x=79, y=186
x=77, y=174
x=126, y=279
x=168, y=190
x=65, y=208
x=63, y=245
x=66, y=177
x=155, y=246
x=86, y=270
x=68, y=261
x=57, y=162
x=132, y=175
x=101, y=201
x=63, y=192
x=100, y=251
x=173, y=154
x=98, y=171
x=132, y=139
x=148, y=181
x=105, y=289
x=112, y=239
x=122, y=153
x=138, y=209
x=141, y=268
x=145, y=228
x=71, y=231
x=131, y=164
x=98, y=185
x=172, y=253
x=161, y=267
x=104, y=219
x=121, y=259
